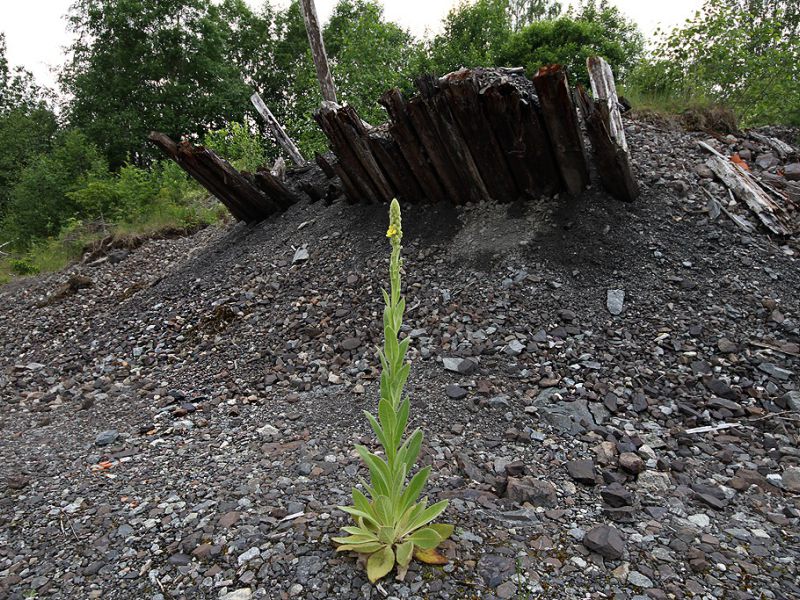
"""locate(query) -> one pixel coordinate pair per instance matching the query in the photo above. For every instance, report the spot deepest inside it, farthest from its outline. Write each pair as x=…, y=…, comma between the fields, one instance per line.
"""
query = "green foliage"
x=393, y=524
x=594, y=30
x=23, y=266
x=473, y=35
x=140, y=65
x=525, y=12
x=41, y=202
x=236, y=144
x=744, y=54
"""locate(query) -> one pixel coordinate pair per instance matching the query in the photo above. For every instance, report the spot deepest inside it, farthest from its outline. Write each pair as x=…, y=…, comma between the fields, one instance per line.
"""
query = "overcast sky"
x=36, y=33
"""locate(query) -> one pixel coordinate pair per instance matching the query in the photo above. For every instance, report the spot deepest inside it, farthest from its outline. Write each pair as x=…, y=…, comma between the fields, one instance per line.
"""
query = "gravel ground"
x=178, y=421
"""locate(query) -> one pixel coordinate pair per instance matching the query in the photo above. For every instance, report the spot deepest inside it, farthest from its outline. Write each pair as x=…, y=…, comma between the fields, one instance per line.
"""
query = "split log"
x=452, y=139
x=318, y=53
x=358, y=184
x=277, y=131
x=402, y=131
x=275, y=189
x=460, y=91
x=561, y=120
x=388, y=154
x=613, y=164
x=604, y=89
x=520, y=132
x=781, y=147
x=746, y=189
x=242, y=198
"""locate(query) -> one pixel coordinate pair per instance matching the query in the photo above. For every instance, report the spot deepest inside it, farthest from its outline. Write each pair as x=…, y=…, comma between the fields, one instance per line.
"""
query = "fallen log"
x=561, y=121
x=248, y=198
x=746, y=189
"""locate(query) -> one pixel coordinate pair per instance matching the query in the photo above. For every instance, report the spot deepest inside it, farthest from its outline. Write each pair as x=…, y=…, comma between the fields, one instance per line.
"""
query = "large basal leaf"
x=425, y=538
x=380, y=563
x=403, y=553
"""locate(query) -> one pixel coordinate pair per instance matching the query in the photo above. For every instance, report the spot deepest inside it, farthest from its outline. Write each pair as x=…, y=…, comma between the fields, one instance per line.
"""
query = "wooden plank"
x=561, y=121
x=612, y=161
x=411, y=147
x=745, y=189
x=277, y=131
x=355, y=132
x=361, y=188
x=463, y=99
x=387, y=153
x=453, y=141
x=521, y=135
x=604, y=89
x=314, y=32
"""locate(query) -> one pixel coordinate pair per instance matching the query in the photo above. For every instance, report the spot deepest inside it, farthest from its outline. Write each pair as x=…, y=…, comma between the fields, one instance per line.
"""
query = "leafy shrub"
x=236, y=144
x=23, y=266
x=393, y=525
x=570, y=40
x=41, y=201
x=744, y=54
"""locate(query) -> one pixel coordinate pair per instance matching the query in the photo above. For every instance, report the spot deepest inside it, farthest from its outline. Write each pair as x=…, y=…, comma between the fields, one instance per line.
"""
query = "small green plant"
x=23, y=266
x=392, y=524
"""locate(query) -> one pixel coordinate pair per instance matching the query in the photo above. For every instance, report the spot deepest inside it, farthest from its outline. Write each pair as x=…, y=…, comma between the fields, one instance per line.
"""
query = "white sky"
x=36, y=31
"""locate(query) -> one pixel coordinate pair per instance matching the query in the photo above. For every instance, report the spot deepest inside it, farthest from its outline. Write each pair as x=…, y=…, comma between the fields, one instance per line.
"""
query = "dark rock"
x=455, y=392
x=495, y=569
x=532, y=491
x=350, y=343
x=631, y=462
x=606, y=541
x=582, y=471
x=617, y=495
x=105, y=438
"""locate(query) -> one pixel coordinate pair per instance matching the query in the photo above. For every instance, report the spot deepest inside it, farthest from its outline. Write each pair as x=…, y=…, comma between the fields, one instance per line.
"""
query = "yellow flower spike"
x=392, y=231
x=395, y=232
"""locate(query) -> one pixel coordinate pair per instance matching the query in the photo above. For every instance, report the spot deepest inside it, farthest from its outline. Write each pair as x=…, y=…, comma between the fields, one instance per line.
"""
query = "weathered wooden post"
x=318, y=49
x=277, y=131
x=605, y=90
x=561, y=121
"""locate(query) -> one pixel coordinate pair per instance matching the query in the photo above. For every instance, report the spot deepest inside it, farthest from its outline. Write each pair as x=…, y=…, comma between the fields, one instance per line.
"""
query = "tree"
x=741, y=53
x=525, y=12
x=139, y=65
x=27, y=125
x=594, y=29
x=473, y=35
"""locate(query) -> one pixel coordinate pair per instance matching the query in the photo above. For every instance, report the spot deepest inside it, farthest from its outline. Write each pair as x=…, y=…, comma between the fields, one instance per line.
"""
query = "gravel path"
x=184, y=427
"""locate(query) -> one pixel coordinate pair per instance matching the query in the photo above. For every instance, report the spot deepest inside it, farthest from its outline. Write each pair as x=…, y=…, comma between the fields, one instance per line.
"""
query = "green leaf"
x=428, y=515
x=404, y=552
x=366, y=548
x=386, y=535
x=380, y=563
x=414, y=488
x=376, y=427
x=357, y=513
x=425, y=538
x=445, y=530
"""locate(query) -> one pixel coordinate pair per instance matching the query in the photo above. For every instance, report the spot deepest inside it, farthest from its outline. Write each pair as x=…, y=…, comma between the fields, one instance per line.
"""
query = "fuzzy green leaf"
x=425, y=538
x=380, y=563
x=445, y=530
x=404, y=552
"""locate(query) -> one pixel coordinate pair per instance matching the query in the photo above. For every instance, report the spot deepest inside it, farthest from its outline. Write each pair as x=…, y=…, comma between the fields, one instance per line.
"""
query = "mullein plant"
x=392, y=524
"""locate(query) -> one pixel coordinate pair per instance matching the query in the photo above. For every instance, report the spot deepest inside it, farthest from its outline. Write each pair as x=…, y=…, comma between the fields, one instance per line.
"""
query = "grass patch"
x=163, y=219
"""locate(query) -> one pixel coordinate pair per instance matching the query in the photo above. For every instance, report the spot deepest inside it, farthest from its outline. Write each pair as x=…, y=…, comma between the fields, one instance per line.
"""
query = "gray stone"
x=792, y=172
x=606, y=541
x=465, y=366
x=616, y=495
x=791, y=479
x=767, y=160
x=792, y=400
x=775, y=371
x=564, y=416
x=654, y=482
x=495, y=569
x=240, y=594
x=514, y=348
x=300, y=255
x=106, y=438
x=614, y=301
x=637, y=579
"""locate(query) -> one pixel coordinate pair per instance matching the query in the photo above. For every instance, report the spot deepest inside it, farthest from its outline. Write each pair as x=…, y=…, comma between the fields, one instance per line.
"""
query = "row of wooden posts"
x=457, y=140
